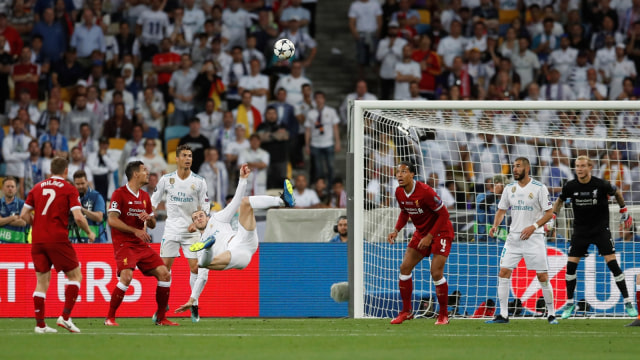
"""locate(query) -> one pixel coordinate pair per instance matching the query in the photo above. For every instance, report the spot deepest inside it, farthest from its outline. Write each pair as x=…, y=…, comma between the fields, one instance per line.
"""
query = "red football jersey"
x=52, y=201
x=129, y=205
x=424, y=207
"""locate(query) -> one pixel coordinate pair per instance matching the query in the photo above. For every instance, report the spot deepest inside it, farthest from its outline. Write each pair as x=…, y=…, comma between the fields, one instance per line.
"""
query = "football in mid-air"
x=284, y=49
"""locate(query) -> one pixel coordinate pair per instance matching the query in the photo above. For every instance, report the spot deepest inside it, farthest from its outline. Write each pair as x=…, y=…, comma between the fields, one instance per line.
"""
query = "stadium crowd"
x=105, y=82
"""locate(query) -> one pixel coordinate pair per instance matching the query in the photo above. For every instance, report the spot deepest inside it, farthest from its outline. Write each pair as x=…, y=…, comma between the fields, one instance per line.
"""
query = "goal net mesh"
x=465, y=154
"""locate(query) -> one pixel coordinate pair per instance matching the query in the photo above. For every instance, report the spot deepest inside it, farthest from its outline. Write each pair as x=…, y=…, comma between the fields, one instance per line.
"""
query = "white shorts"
x=533, y=250
x=242, y=245
x=170, y=247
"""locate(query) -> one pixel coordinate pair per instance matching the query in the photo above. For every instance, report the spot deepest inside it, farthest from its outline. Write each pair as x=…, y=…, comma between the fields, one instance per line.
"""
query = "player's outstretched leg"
x=287, y=195
x=202, y=245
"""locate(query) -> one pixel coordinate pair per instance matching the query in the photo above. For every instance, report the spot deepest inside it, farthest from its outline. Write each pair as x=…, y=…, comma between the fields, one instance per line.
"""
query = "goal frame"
x=356, y=166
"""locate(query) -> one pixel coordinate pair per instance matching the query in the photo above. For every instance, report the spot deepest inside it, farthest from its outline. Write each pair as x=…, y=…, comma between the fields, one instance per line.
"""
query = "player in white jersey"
x=223, y=247
x=184, y=192
x=531, y=209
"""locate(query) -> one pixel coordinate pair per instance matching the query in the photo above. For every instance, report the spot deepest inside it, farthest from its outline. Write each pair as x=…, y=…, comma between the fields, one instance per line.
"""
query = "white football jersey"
x=221, y=230
x=183, y=197
x=527, y=204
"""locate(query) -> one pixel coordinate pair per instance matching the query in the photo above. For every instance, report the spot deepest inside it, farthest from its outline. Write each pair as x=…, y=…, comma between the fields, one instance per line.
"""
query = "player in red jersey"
x=47, y=208
x=433, y=235
x=130, y=213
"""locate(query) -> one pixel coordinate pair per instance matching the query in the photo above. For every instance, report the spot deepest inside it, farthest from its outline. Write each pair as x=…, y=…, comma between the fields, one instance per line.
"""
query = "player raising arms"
x=433, y=235
x=185, y=192
x=530, y=210
x=130, y=213
x=590, y=201
x=227, y=249
x=51, y=201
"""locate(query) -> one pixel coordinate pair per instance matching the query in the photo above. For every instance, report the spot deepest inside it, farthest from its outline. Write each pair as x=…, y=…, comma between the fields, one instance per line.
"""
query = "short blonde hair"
x=586, y=158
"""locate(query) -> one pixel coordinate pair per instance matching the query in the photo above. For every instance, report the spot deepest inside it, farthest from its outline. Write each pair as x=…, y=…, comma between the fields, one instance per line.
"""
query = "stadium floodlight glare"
x=465, y=144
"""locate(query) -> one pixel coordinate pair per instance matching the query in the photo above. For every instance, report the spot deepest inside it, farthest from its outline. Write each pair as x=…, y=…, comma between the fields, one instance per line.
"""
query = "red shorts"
x=440, y=245
x=60, y=254
x=144, y=257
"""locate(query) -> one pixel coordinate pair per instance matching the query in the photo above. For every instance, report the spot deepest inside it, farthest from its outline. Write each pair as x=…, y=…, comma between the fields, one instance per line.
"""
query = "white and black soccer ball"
x=284, y=49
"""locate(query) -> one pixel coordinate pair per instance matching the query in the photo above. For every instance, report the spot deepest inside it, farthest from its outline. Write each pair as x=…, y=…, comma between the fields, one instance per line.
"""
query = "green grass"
x=322, y=339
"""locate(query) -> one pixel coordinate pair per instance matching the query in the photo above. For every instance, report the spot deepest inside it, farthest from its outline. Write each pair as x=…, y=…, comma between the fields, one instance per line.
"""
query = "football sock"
x=192, y=282
x=116, y=299
x=442, y=292
x=547, y=292
x=570, y=279
x=162, y=298
x=406, y=289
x=618, y=276
x=229, y=211
x=198, y=286
x=70, y=296
x=503, y=296
x=265, y=202
x=638, y=301
x=38, y=306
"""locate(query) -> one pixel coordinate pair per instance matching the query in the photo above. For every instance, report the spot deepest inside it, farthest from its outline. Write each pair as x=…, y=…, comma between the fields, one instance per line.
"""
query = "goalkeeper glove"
x=625, y=218
x=548, y=227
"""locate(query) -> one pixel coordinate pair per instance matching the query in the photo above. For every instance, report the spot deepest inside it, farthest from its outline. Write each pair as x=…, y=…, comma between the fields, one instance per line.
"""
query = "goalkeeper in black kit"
x=590, y=201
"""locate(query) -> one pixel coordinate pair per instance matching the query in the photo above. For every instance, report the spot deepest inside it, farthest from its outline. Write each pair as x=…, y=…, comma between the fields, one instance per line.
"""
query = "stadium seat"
x=151, y=133
x=172, y=145
x=174, y=132
x=117, y=143
x=6, y=129
x=171, y=157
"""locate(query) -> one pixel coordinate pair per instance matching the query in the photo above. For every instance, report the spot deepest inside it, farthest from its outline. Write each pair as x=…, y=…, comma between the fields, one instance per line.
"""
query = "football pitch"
x=216, y=338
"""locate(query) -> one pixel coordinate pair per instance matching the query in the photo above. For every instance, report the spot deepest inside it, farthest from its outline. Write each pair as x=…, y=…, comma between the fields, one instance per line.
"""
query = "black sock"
x=618, y=275
x=571, y=279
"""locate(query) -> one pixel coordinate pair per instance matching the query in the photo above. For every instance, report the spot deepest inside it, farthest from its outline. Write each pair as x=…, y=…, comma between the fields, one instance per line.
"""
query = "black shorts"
x=580, y=244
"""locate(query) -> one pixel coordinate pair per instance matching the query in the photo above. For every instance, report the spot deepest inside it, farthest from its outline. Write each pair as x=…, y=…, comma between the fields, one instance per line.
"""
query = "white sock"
x=547, y=292
x=503, y=296
x=205, y=258
x=265, y=202
x=198, y=286
x=192, y=282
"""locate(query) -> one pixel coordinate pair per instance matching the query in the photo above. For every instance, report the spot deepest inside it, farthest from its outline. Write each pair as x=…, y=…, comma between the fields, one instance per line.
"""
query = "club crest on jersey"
x=417, y=203
x=530, y=195
x=172, y=181
x=513, y=190
x=193, y=187
x=144, y=202
x=124, y=261
x=595, y=193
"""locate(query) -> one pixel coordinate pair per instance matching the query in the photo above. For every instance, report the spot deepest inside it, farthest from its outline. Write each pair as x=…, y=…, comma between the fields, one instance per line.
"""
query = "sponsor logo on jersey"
x=526, y=287
x=130, y=202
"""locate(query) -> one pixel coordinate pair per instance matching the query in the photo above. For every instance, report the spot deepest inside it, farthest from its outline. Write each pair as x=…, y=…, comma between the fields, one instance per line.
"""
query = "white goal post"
x=465, y=145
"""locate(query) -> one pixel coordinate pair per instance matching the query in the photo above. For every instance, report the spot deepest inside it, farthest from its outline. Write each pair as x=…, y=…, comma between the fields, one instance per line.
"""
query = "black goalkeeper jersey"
x=590, y=204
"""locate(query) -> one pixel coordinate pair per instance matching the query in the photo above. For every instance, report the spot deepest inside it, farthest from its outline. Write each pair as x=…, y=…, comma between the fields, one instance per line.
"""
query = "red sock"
x=162, y=298
x=406, y=289
x=70, y=297
x=442, y=292
x=38, y=305
x=638, y=301
x=116, y=299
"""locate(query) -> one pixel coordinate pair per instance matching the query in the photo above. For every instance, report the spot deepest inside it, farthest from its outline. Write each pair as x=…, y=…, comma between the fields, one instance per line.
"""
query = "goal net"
x=464, y=150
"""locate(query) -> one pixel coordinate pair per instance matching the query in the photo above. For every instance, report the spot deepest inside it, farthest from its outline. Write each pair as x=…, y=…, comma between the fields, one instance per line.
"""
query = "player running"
x=47, y=207
x=530, y=210
x=590, y=201
x=433, y=235
x=227, y=249
x=130, y=213
x=185, y=192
